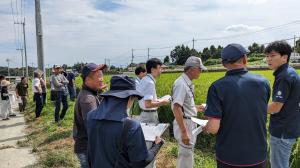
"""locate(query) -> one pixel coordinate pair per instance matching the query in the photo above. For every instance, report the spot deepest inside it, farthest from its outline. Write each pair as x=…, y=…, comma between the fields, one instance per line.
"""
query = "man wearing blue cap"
x=115, y=141
x=285, y=107
x=237, y=112
x=88, y=99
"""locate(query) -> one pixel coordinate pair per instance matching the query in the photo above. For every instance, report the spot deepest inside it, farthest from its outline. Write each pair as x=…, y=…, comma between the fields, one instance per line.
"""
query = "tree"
x=255, y=49
x=167, y=60
x=205, y=54
x=180, y=54
x=78, y=66
x=213, y=51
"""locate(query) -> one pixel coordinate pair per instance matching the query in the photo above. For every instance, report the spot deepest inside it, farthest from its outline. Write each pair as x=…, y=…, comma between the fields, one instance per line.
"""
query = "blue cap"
x=233, y=52
x=91, y=67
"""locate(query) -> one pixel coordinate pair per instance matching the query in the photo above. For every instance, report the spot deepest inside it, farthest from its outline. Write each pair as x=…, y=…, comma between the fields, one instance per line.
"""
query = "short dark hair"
x=2, y=77
x=139, y=69
x=22, y=78
x=36, y=75
x=152, y=63
x=282, y=47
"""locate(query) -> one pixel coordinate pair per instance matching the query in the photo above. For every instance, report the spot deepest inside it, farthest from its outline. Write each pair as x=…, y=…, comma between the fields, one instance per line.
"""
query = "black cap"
x=91, y=67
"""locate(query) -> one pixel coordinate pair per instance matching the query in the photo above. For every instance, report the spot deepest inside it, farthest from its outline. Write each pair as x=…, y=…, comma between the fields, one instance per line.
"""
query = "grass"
x=54, y=143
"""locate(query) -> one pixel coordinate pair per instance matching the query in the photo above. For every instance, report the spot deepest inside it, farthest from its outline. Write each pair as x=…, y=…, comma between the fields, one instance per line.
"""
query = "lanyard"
x=190, y=87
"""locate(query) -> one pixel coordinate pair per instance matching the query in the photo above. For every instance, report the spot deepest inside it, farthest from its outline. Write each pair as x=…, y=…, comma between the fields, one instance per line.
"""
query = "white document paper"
x=201, y=124
x=166, y=97
x=152, y=130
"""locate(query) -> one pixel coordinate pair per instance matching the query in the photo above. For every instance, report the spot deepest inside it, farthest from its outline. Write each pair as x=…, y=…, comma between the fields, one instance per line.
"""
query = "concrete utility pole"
x=21, y=49
x=8, y=74
x=193, y=43
x=148, y=53
x=24, y=43
x=39, y=36
x=132, y=57
x=294, y=44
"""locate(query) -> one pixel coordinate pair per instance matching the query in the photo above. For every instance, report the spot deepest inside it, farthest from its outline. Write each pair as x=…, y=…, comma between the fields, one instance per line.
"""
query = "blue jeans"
x=61, y=98
x=83, y=159
x=72, y=92
x=280, y=151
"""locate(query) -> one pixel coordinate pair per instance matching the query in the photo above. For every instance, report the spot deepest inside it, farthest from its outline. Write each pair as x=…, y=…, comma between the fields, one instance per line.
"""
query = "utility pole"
x=48, y=65
x=148, y=53
x=132, y=57
x=24, y=44
x=193, y=43
x=8, y=74
x=294, y=44
x=39, y=36
x=21, y=49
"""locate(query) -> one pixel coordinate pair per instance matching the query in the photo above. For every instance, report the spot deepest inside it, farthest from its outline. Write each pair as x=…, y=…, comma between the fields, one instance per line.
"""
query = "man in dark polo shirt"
x=237, y=112
x=87, y=100
x=285, y=107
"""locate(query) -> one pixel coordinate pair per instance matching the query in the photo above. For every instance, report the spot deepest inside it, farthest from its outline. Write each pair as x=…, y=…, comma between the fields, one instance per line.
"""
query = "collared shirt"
x=104, y=128
x=240, y=101
x=147, y=87
x=87, y=101
x=58, y=82
x=286, y=90
x=137, y=81
x=183, y=94
x=36, y=83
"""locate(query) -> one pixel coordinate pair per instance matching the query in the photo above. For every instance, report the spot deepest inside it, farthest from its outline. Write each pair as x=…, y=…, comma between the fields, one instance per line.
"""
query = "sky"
x=95, y=30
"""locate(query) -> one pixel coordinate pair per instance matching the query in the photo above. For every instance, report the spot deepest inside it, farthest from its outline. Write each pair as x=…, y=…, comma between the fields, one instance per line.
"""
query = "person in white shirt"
x=37, y=94
x=149, y=103
x=140, y=73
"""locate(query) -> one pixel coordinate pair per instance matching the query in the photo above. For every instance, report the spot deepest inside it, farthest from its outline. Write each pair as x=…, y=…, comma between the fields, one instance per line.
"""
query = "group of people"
x=236, y=109
x=62, y=84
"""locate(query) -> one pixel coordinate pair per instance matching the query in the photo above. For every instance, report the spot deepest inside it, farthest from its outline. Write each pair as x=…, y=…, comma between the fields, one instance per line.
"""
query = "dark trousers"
x=72, y=92
x=44, y=96
x=23, y=104
x=60, y=99
x=223, y=165
x=38, y=104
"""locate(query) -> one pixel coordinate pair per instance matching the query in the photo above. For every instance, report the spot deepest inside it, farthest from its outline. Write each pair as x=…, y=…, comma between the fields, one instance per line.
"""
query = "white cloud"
x=241, y=28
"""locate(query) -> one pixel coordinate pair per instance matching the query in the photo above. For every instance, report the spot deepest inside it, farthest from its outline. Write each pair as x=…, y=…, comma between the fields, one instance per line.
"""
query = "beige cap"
x=194, y=61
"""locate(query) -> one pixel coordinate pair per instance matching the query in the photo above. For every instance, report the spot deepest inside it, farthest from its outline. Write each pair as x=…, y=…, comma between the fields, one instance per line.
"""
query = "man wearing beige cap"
x=183, y=106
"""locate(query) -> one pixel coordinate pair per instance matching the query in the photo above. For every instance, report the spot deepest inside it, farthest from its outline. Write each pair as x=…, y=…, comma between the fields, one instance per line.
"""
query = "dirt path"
x=12, y=131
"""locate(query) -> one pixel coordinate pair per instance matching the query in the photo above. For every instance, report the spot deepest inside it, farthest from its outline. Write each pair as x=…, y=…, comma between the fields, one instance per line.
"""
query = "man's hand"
x=200, y=108
x=164, y=102
x=157, y=140
x=185, y=137
x=103, y=86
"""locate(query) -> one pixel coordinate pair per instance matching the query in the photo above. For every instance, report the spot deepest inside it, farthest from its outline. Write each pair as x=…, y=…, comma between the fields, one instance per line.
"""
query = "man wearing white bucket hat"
x=5, y=99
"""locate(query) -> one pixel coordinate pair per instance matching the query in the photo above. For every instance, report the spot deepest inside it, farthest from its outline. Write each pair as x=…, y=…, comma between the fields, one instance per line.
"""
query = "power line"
x=243, y=34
